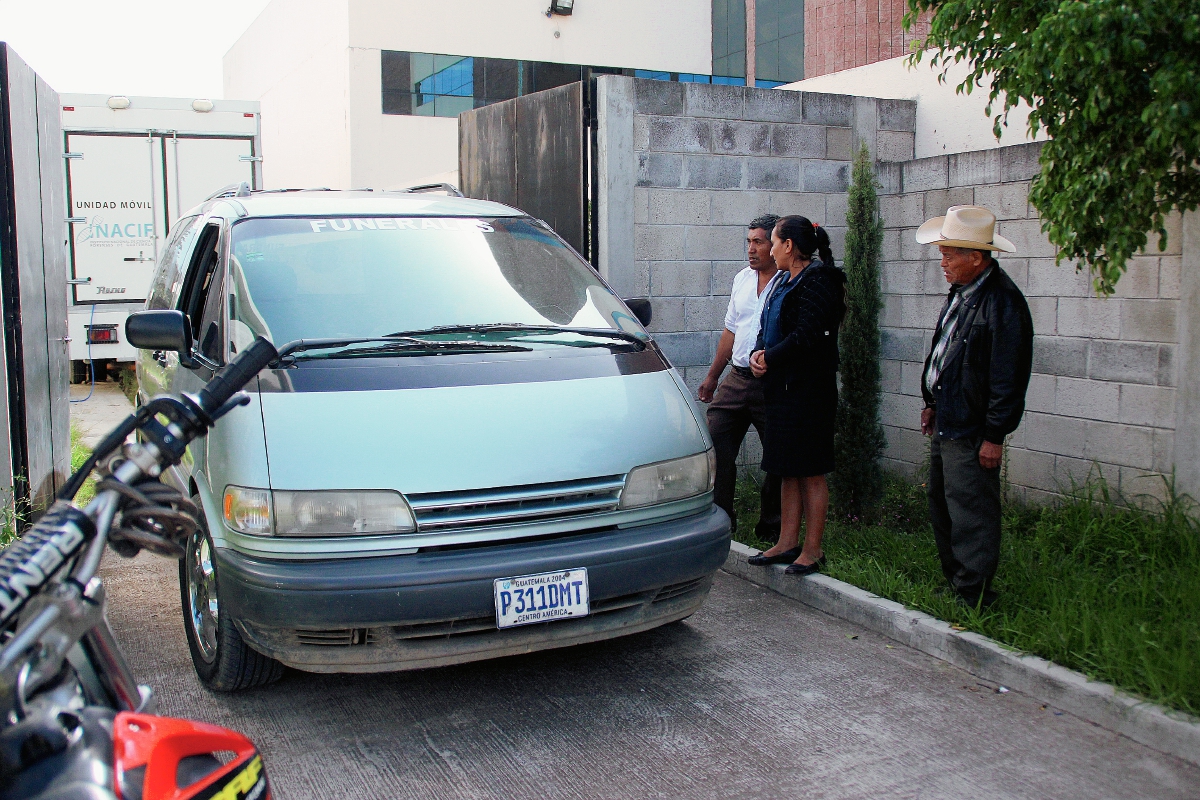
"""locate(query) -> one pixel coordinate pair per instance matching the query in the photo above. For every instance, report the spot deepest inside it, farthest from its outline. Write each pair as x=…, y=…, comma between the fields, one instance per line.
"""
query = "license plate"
x=541, y=598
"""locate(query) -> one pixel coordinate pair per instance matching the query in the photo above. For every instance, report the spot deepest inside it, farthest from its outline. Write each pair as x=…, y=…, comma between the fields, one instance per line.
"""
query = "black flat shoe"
x=785, y=557
x=805, y=569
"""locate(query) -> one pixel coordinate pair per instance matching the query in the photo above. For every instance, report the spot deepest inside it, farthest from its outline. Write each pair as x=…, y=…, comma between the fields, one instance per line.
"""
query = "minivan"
x=470, y=446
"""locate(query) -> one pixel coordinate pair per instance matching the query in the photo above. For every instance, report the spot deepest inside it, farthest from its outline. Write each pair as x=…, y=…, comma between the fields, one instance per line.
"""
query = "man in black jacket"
x=974, y=385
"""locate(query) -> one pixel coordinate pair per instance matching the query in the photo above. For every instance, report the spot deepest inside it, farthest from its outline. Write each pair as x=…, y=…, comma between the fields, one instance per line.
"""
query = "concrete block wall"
x=1103, y=392
x=684, y=168
x=709, y=159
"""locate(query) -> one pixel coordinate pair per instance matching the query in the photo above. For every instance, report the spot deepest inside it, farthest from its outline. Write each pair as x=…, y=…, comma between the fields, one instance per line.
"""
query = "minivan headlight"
x=341, y=513
x=248, y=510
x=669, y=480
x=317, y=513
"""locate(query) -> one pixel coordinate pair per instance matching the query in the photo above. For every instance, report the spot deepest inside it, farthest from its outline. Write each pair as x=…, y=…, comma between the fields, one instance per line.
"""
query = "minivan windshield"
x=325, y=277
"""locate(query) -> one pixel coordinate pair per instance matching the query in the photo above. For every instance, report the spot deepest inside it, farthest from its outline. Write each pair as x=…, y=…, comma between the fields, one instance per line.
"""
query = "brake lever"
x=239, y=399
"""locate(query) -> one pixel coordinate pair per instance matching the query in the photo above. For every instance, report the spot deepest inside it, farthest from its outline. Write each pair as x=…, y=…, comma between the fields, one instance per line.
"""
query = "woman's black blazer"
x=811, y=314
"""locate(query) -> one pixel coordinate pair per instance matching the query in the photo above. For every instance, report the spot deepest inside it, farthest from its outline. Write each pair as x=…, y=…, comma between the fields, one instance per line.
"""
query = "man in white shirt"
x=737, y=403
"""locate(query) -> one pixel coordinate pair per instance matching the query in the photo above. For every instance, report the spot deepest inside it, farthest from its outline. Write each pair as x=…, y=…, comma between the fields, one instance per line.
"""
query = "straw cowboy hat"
x=965, y=226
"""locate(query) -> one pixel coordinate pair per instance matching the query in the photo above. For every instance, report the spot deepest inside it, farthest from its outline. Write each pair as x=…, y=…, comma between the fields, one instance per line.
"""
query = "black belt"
x=743, y=371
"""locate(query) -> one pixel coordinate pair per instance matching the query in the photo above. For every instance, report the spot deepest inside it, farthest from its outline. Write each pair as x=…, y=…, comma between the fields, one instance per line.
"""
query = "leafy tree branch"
x=1115, y=84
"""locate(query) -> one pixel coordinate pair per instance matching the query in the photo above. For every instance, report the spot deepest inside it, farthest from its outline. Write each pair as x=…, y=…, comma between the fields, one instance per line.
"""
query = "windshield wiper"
x=394, y=343
x=418, y=347
x=520, y=329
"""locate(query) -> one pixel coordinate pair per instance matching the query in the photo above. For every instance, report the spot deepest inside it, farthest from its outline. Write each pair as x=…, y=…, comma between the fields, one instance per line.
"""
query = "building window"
x=435, y=85
x=778, y=42
x=729, y=37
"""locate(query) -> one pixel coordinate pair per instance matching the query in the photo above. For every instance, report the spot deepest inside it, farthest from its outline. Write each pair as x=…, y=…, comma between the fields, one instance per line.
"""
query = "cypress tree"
x=857, y=485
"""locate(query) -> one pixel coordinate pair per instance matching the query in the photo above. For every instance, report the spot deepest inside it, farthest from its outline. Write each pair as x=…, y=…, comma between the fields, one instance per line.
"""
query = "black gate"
x=534, y=153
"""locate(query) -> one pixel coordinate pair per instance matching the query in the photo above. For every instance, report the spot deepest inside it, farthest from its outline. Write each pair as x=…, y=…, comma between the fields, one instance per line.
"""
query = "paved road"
x=753, y=696
x=98, y=414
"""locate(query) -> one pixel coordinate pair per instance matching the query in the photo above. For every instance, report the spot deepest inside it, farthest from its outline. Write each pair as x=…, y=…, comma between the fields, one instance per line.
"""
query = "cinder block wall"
x=1102, y=395
x=708, y=160
x=684, y=168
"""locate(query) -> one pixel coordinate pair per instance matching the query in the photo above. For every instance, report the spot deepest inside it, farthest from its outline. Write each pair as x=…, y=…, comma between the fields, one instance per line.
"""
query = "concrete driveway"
x=754, y=696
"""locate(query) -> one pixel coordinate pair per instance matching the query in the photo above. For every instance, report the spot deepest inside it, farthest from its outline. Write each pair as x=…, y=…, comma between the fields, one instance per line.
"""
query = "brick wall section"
x=841, y=34
x=712, y=158
x=1102, y=394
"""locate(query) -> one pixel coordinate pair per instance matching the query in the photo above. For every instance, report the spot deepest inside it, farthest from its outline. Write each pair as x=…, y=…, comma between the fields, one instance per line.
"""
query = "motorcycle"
x=74, y=723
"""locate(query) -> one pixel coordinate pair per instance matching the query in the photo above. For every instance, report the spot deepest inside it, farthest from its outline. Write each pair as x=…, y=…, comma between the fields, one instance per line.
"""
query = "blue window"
x=437, y=85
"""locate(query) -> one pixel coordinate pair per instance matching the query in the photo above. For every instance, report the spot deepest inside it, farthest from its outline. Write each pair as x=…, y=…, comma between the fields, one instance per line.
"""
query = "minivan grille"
x=336, y=637
x=439, y=511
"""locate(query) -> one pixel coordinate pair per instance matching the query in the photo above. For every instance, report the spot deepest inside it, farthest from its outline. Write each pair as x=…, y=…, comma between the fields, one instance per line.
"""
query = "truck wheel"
x=79, y=372
x=222, y=660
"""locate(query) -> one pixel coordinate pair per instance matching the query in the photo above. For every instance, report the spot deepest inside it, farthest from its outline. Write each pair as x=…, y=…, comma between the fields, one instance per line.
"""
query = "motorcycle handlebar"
x=236, y=374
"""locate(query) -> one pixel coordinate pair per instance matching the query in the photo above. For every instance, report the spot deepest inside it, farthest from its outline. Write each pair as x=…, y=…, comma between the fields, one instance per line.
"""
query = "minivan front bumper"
x=431, y=609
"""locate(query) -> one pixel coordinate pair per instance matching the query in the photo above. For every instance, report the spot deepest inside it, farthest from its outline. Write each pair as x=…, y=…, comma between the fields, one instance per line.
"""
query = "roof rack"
x=449, y=189
x=232, y=190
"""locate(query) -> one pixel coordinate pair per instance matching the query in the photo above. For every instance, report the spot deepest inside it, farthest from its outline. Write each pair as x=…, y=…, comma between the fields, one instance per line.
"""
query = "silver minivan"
x=470, y=447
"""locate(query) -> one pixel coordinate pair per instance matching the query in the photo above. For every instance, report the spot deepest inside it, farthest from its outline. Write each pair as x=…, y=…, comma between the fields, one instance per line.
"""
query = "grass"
x=127, y=380
x=79, y=454
x=1092, y=584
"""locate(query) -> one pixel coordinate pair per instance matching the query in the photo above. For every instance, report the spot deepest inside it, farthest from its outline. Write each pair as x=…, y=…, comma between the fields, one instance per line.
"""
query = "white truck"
x=133, y=165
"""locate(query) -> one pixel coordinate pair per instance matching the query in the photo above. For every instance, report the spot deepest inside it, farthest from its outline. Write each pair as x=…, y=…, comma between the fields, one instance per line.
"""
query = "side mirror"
x=641, y=308
x=160, y=330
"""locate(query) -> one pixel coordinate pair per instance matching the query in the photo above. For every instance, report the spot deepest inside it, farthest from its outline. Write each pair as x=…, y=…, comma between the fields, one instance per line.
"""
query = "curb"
x=1163, y=729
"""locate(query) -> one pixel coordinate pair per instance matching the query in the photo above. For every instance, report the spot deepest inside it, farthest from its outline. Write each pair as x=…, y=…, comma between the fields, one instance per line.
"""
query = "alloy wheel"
x=203, y=608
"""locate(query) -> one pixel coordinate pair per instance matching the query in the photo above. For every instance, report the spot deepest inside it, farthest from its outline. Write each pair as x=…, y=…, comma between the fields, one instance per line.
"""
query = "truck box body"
x=130, y=173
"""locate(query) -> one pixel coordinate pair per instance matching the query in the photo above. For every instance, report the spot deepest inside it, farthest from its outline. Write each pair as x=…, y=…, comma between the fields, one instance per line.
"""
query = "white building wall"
x=294, y=60
x=391, y=151
x=671, y=35
x=947, y=122
x=315, y=67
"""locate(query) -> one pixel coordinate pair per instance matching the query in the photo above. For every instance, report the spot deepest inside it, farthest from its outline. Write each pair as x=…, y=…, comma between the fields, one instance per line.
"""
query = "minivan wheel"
x=222, y=659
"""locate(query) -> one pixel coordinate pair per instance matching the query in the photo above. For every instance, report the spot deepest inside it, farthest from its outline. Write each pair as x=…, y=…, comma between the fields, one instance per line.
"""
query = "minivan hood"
x=454, y=438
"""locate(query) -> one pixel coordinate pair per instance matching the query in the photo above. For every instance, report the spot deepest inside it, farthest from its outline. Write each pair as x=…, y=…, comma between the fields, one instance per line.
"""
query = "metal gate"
x=534, y=153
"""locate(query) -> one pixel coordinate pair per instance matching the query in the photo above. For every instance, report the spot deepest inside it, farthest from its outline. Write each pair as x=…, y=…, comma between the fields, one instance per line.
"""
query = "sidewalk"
x=99, y=414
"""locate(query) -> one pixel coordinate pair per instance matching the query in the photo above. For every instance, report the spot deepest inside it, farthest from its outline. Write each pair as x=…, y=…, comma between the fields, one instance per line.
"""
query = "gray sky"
x=133, y=47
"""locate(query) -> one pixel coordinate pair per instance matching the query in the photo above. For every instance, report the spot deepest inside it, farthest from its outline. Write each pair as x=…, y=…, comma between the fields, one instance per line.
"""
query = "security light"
x=562, y=7
x=202, y=105
x=117, y=102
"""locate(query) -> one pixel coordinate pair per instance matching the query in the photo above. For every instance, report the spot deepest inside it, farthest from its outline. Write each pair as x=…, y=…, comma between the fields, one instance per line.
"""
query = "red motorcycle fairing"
x=161, y=758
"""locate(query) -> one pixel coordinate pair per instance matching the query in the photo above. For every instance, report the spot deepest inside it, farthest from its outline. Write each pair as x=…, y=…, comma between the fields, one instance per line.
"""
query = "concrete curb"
x=1163, y=729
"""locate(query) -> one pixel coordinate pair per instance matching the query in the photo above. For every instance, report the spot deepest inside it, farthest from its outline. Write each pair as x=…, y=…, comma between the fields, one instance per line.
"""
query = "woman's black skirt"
x=798, y=442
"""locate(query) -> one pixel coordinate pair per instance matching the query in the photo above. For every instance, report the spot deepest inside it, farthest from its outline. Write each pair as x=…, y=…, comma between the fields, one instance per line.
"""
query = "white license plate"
x=541, y=598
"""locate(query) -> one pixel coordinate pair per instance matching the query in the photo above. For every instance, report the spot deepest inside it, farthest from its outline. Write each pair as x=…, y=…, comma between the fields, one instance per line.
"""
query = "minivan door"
x=156, y=369
x=200, y=301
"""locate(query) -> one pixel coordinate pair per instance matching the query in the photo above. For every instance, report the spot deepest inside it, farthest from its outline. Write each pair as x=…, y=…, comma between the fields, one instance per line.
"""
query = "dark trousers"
x=964, y=507
x=737, y=404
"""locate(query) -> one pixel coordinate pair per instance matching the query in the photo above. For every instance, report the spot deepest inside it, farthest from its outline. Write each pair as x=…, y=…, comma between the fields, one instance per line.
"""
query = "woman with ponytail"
x=797, y=357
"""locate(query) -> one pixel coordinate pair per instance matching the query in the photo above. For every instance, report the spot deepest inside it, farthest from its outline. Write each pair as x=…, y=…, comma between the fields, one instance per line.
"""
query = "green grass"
x=79, y=454
x=127, y=380
x=1091, y=583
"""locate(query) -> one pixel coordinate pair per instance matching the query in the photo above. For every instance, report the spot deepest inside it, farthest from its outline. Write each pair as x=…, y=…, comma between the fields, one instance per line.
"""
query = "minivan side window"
x=201, y=277
x=171, y=264
x=211, y=342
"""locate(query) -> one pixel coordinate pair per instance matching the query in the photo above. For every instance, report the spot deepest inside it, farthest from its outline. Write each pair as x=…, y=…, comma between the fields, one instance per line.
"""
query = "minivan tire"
x=226, y=664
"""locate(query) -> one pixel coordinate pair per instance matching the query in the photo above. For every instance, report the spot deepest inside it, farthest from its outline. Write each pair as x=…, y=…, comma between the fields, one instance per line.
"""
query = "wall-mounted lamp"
x=203, y=106
x=117, y=102
x=561, y=7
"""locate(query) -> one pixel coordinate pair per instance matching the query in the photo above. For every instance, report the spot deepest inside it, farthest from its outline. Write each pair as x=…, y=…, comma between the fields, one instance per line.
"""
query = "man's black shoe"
x=973, y=599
